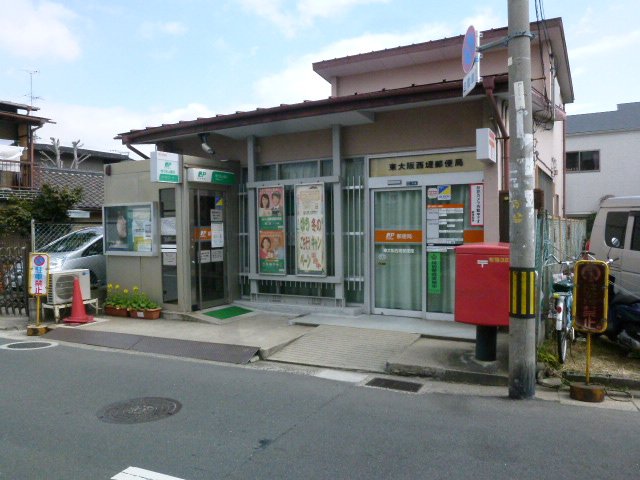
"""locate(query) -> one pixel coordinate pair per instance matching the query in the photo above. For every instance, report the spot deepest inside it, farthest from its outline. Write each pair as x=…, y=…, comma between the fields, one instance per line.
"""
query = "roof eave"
x=360, y=102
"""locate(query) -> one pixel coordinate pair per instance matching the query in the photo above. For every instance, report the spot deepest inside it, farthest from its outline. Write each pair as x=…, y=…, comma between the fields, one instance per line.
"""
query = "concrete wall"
x=618, y=173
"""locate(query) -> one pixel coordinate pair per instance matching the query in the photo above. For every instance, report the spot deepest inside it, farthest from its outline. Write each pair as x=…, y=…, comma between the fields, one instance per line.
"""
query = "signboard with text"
x=310, y=230
x=165, y=167
x=38, y=273
x=205, y=175
x=426, y=164
x=591, y=279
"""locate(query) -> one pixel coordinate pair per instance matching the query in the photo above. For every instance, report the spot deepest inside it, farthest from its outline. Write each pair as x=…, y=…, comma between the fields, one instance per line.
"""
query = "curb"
x=13, y=323
x=606, y=380
x=449, y=375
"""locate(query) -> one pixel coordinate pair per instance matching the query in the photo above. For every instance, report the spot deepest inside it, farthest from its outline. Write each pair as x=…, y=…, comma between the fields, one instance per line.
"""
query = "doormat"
x=228, y=312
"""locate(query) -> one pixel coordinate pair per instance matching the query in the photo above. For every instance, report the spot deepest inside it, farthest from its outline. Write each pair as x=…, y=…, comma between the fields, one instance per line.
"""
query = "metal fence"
x=563, y=238
x=13, y=288
x=45, y=233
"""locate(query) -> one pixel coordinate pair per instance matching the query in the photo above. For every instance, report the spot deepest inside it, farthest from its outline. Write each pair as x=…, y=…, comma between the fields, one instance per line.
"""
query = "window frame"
x=579, y=161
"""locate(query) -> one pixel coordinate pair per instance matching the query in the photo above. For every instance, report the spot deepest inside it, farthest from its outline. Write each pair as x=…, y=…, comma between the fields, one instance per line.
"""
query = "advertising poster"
x=141, y=229
x=271, y=250
x=310, y=230
x=271, y=231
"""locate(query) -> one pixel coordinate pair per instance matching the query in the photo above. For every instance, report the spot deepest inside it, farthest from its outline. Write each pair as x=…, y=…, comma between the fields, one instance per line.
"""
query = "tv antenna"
x=30, y=94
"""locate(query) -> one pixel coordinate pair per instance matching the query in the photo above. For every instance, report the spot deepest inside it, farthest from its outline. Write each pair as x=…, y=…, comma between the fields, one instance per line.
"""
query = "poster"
x=310, y=230
x=271, y=208
x=477, y=205
x=434, y=273
x=445, y=223
x=141, y=229
x=271, y=231
x=217, y=235
x=271, y=251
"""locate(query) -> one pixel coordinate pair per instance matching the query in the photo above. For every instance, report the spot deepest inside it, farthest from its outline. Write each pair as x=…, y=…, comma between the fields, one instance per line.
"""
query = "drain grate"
x=27, y=345
x=394, y=384
x=139, y=410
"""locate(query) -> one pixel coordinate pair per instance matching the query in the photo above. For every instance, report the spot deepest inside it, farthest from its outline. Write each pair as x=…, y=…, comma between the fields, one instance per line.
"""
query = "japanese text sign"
x=38, y=273
x=591, y=280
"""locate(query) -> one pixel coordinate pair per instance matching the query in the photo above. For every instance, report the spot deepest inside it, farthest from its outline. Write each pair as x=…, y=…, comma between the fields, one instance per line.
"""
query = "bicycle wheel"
x=562, y=337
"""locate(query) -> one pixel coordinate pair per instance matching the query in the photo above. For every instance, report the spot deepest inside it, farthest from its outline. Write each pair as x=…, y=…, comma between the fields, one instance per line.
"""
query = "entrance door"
x=208, y=286
x=398, y=263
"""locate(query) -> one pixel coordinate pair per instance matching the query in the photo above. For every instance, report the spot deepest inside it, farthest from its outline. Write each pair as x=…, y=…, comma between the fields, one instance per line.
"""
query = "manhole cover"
x=139, y=410
x=394, y=384
x=27, y=345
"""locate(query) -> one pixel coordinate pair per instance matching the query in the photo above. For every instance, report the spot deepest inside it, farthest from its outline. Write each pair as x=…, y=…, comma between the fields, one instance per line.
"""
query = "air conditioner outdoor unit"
x=60, y=288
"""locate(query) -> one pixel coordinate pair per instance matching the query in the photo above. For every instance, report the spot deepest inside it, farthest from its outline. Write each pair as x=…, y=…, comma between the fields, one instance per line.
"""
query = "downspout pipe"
x=489, y=85
x=136, y=151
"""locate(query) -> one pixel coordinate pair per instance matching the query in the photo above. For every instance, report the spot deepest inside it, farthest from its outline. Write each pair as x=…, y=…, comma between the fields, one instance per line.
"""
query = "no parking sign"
x=38, y=273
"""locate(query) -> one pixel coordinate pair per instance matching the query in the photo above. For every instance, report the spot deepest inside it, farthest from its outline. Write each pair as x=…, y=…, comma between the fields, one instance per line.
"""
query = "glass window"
x=95, y=248
x=266, y=173
x=616, y=226
x=326, y=168
x=572, y=161
x=169, y=250
x=298, y=170
x=586, y=161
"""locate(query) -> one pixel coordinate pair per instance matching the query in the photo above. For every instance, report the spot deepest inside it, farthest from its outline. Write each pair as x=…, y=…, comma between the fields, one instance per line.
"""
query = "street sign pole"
x=522, y=345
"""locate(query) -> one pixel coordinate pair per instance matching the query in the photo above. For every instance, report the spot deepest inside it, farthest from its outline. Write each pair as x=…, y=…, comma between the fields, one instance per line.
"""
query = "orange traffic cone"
x=78, y=312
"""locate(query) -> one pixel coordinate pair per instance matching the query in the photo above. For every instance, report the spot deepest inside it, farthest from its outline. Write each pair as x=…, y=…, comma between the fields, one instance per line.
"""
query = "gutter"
x=136, y=151
x=489, y=85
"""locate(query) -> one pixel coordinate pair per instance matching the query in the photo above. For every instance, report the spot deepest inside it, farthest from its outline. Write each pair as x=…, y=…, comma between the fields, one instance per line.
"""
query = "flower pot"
x=115, y=311
x=148, y=314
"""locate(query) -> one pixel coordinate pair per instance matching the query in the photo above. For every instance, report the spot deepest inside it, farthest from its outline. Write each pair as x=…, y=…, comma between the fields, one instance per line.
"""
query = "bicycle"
x=560, y=305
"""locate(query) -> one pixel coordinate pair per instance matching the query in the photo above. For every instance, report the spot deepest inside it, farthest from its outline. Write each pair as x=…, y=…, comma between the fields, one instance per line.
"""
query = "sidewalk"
x=371, y=344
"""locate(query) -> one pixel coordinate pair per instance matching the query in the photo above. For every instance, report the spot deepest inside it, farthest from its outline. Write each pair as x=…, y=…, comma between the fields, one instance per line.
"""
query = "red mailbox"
x=482, y=284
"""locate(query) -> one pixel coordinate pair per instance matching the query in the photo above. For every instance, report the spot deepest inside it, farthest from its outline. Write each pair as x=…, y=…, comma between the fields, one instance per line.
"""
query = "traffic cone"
x=78, y=312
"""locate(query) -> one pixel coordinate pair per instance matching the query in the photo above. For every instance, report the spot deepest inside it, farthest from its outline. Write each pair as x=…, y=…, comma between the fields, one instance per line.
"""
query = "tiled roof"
x=92, y=183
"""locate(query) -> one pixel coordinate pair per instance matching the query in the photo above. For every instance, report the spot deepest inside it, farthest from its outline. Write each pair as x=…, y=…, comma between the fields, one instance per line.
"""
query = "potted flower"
x=117, y=301
x=141, y=306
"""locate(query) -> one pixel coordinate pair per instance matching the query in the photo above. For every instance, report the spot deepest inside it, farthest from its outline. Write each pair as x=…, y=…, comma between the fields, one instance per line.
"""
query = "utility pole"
x=522, y=341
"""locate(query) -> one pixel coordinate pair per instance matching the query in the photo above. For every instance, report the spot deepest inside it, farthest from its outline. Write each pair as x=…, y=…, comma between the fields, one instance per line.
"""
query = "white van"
x=619, y=217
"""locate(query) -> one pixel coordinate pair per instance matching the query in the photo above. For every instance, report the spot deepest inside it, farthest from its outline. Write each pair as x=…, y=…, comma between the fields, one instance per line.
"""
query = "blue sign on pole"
x=469, y=49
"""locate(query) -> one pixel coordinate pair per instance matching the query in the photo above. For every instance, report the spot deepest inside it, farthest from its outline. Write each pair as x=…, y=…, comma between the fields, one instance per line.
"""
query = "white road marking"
x=135, y=473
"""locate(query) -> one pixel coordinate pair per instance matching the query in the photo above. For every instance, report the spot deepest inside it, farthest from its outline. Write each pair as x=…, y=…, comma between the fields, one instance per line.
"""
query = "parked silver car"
x=79, y=249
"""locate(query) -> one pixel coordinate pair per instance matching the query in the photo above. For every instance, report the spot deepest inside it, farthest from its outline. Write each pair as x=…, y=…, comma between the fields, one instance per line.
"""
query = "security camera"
x=205, y=145
x=208, y=149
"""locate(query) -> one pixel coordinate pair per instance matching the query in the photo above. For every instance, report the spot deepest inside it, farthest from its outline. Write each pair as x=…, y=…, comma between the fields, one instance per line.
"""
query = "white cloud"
x=153, y=29
x=96, y=127
x=484, y=19
x=303, y=14
x=299, y=82
x=604, y=45
x=36, y=29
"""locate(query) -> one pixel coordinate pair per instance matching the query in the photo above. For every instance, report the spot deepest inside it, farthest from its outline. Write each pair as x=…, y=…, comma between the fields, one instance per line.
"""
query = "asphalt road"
x=247, y=422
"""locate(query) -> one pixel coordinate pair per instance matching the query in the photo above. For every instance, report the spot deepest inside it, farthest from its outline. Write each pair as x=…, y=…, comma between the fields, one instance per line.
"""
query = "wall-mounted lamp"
x=205, y=146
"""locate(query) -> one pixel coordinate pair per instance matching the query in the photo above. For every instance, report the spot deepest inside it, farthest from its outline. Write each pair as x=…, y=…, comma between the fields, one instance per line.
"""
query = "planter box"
x=115, y=311
x=149, y=314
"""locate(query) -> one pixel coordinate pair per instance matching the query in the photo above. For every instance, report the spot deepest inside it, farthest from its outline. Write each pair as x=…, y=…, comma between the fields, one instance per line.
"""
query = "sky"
x=99, y=68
